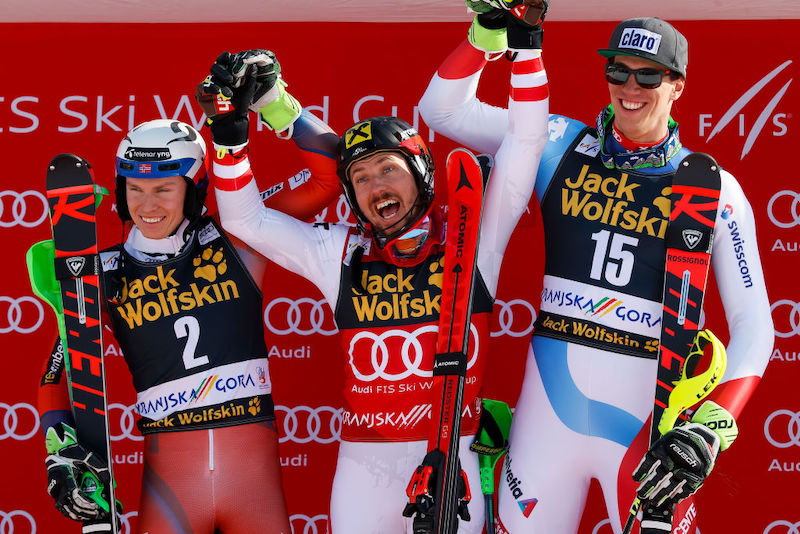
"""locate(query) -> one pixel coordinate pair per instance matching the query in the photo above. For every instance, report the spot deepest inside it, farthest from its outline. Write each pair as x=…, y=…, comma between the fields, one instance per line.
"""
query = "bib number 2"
x=189, y=326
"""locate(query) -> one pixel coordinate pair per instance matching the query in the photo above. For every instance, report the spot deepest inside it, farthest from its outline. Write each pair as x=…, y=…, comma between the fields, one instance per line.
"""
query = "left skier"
x=186, y=310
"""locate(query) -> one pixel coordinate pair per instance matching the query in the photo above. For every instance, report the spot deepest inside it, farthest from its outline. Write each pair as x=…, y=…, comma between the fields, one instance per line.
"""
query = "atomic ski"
x=71, y=196
x=689, y=238
x=438, y=492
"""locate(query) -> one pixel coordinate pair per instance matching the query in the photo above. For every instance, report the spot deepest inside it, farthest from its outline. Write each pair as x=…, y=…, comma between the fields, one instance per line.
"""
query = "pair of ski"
x=65, y=272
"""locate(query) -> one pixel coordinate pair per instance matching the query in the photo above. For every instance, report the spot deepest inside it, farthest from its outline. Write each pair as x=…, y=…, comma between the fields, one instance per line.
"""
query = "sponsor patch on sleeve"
x=589, y=145
x=109, y=260
x=207, y=233
x=299, y=179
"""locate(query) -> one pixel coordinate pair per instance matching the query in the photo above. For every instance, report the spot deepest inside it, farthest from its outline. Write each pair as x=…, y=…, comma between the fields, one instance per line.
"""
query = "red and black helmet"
x=386, y=134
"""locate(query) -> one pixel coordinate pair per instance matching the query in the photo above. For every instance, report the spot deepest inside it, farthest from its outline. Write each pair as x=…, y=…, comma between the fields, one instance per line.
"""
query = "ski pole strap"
x=76, y=266
x=450, y=363
x=496, y=442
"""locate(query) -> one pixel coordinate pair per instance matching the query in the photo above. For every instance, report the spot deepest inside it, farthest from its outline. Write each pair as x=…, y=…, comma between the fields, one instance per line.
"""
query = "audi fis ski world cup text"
x=98, y=113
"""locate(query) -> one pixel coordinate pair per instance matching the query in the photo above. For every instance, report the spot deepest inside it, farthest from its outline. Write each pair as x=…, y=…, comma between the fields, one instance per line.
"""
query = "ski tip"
x=486, y=161
x=460, y=154
x=64, y=161
x=700, y=158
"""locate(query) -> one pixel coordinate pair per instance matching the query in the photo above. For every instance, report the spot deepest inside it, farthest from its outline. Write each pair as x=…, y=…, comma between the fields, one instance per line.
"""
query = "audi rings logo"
x=515, y=318
x=127, y=423
x=788, y=212
x=779, y=435
x=303, y=424
x=410, y=351
x=125, y=522
x=17, y=522
x=782, y=327
x=310, y=525
x=286, y=316
x=20, y=421
x=25, y=211
x=342, y=213
x=785, y=527
x=19, y=316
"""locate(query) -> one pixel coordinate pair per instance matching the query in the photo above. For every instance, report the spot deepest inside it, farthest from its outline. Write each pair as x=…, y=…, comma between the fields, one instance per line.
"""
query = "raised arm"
x=450, y=105
x=312, y=251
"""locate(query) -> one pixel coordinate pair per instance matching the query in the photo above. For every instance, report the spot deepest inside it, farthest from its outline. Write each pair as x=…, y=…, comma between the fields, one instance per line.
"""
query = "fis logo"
x=766, y=115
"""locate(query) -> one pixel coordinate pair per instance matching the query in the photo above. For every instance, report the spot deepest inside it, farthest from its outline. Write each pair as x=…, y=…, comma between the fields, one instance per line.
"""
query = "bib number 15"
x=611, y=261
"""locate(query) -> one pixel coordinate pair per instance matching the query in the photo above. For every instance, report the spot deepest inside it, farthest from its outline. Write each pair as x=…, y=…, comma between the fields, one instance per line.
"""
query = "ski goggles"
x=647, y=78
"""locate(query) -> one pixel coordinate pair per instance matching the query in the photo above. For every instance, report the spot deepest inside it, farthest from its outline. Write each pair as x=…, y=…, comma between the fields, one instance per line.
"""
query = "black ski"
x=71, y=196
x=438, y=492
x=689, y=238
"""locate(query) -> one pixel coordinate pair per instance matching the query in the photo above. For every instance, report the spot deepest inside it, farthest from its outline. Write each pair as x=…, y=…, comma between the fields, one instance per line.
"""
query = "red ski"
x=689, y=237
x=438, y=492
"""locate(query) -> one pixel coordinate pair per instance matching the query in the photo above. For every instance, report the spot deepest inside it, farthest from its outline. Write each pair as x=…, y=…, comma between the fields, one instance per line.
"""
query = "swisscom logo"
x=750, y=125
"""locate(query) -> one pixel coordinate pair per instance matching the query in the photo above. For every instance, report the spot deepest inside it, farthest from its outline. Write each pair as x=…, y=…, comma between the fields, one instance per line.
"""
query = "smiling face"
x=156, y=204
x=641, y=114
x=385, y=190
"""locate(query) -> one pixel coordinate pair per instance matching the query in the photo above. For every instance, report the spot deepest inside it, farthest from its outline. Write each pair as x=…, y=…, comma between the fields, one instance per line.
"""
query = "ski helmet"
x=386, y=134
x=159, y=149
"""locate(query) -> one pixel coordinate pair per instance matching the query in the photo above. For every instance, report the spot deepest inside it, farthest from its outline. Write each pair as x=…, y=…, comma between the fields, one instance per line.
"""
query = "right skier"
x=605, y=189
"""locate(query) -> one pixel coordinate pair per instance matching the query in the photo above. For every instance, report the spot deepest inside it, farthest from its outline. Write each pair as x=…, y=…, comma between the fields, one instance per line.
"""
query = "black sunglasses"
x=647, y=78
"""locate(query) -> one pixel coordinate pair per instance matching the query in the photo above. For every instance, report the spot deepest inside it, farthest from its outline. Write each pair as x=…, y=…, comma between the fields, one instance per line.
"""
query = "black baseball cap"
x=650, y=38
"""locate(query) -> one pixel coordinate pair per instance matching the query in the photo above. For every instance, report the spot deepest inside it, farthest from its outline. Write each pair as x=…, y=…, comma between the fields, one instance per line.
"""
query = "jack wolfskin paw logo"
x=663, y=203
x=437, y=270
x=254, y=406
x=216, y=264
x=651, y=345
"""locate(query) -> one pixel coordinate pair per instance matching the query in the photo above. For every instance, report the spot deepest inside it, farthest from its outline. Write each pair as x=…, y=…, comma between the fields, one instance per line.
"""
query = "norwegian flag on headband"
x=144, y=167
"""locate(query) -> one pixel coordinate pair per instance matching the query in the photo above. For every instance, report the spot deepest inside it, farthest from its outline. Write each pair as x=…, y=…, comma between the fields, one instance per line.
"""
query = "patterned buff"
x=657, y=156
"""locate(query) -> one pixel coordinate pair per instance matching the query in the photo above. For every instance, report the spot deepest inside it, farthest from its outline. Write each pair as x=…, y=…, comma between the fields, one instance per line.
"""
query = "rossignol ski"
x=438, y=492
x=71, y=196
x=689, y=238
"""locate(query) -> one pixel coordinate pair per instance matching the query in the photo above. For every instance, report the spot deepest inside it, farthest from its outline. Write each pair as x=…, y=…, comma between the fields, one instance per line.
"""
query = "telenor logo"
x=147, y=154
x=640, y=39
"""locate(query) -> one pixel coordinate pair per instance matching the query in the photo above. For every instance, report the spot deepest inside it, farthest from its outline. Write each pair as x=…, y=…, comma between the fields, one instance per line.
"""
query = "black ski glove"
x=677, y=464
x=66, y=465
x=524, y=25
x=225, y=97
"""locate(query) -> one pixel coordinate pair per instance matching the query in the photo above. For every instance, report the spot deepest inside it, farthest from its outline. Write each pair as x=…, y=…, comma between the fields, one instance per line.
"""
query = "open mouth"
x=387, y=208
x=631, y=106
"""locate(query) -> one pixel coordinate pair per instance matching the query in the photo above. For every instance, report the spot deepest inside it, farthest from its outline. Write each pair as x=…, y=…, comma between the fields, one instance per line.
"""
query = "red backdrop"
x=78, y=88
